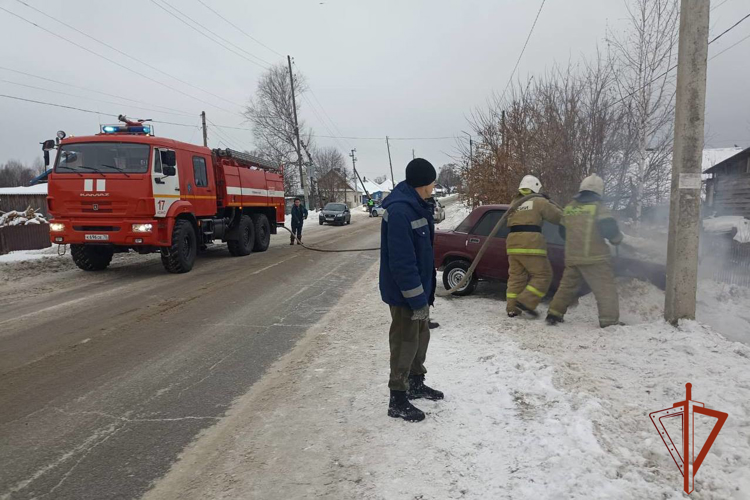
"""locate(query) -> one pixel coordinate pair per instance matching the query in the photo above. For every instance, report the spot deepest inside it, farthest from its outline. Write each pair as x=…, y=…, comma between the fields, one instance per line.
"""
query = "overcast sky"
x=403, y=68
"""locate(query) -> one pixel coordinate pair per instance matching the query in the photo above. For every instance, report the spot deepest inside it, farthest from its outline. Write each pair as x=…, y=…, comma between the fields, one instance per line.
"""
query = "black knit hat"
x=420, y=172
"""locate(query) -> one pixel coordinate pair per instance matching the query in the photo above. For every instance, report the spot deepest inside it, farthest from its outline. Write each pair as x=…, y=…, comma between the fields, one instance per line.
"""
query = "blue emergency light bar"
x=127, y=129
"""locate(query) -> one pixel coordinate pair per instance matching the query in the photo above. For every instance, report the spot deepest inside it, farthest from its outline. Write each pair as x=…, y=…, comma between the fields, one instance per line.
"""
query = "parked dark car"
x=455, y=251
x=335, y=213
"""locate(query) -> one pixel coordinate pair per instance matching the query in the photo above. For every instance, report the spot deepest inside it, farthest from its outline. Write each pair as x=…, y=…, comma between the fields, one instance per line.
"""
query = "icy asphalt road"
x=106, y=377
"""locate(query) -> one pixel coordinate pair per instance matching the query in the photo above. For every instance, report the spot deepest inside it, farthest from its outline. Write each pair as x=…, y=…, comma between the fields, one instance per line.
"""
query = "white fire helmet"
x=530, y=182
x=593, y=183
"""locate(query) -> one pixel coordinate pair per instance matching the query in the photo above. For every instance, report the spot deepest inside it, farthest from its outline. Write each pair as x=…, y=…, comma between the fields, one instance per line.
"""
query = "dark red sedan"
x=455, y=250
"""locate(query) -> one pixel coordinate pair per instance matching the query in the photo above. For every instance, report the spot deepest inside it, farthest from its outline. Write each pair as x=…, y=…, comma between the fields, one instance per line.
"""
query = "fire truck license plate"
x=96, y=237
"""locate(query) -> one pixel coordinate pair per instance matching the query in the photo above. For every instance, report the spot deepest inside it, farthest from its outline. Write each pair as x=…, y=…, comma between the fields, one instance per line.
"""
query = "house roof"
x=372, y=187
x=25, y=190
x=713, y=159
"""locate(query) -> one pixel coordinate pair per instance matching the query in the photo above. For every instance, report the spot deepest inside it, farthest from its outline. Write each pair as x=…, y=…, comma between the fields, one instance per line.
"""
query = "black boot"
x=525, y=309
x=418, y=390
x=291, y=242
x=400, y=407
x=433, y=324
x=553, y=320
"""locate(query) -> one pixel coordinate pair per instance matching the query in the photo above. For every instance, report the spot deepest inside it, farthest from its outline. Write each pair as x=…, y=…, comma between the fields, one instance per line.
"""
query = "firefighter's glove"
x=421, y=314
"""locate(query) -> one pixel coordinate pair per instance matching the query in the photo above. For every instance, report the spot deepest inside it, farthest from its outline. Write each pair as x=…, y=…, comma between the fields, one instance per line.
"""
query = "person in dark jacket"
x=407, y=285
x=299, y=214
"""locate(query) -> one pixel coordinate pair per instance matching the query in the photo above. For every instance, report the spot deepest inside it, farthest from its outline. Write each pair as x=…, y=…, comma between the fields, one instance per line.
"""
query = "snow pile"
x=27, y=217
x=727, y=224
x=26, y=255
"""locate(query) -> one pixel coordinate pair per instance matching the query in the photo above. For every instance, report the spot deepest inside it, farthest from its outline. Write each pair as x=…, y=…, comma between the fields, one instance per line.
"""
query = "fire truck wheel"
x=262, y=233
x=180, y=256
x=245, y=241
x=91, y=257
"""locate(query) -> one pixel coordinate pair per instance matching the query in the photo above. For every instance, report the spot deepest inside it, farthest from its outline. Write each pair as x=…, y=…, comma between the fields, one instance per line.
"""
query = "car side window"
x=199, y=171
x=157, y=161
x=487, y=222
x=551, y=233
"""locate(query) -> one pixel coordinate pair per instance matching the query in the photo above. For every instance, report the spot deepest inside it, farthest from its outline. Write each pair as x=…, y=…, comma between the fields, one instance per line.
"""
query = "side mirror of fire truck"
x=47, y=146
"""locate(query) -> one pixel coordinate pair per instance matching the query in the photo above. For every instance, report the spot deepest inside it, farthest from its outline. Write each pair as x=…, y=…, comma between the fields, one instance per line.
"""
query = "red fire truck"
x=126, y=189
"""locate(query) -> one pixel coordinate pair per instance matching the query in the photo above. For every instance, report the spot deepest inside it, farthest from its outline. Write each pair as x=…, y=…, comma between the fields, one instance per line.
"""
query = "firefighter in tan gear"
x=586, y=223
x=529, y=270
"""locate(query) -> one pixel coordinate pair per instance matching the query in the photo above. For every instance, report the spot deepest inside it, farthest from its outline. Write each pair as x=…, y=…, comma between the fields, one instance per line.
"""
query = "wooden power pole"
x=305, y=187
x=685, y=203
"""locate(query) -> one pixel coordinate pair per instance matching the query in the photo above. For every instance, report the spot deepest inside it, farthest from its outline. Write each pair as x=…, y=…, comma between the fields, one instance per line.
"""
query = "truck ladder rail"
x=246, y=158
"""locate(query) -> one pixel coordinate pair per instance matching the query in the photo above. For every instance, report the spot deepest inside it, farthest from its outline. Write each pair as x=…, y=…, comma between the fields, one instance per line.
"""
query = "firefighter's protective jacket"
x=586, y=223
x=525, y=225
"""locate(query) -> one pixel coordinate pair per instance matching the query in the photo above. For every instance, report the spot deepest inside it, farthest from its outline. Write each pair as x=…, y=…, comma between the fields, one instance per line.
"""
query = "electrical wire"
x=92, y=90
x=17, y=98
x=531, y=31
x=120, y=52
x=665, y=73
x=94, y=100
x=241, y=30
x=173, y=12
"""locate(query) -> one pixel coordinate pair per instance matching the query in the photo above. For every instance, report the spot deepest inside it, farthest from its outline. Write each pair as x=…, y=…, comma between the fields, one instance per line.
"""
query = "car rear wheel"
x=454, y=273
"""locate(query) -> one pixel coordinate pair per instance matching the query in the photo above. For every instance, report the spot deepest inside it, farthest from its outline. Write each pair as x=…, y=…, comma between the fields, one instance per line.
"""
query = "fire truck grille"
x=97, y=207
x=97, y=228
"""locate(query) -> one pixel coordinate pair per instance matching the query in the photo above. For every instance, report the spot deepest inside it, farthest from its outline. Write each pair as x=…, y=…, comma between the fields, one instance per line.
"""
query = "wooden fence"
x=725, y=260
x=29, y=237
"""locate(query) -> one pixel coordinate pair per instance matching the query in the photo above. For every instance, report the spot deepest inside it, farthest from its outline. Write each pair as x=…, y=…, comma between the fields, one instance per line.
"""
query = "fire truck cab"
x=126, y=189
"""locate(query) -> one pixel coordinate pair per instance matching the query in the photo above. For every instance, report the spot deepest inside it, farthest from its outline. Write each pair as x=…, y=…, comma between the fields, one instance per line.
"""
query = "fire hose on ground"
x=500, y=223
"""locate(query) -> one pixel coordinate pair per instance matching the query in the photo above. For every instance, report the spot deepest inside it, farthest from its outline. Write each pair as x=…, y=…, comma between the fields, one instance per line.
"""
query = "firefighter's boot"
x=553, y=320
x=531, y=312
x=418, y=390
x=400, y=407
x=291, y=241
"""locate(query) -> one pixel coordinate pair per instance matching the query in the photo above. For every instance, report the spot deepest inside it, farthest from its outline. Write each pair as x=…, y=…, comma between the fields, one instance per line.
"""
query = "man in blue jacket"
x=407, y=285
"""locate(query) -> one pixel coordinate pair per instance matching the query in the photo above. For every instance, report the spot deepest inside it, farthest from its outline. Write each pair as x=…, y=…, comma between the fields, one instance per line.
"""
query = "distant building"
x=728, y=186
x=333, y=187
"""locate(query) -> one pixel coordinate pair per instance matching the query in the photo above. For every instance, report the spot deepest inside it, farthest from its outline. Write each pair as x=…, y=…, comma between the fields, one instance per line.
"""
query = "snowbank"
x=25, y=255
x=531, y=411
x=728, y=223
x=455, y=213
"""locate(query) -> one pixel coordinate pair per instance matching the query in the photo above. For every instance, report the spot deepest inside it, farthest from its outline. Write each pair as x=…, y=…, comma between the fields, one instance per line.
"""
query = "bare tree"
x=14, y=173
x=641, y=58
x=331, y=172
x=450, y=176
x=271, y=113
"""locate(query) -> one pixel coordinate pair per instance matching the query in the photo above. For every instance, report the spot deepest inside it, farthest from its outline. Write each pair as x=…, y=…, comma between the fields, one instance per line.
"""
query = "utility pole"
x=471, y=148
x=412, y=154
x=354, y=167
x=305, y=186
x=684, y=210
x=205, y=132
x=388, y=144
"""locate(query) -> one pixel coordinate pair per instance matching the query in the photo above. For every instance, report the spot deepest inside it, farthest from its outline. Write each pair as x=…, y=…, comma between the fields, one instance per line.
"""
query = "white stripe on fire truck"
x=237, y=191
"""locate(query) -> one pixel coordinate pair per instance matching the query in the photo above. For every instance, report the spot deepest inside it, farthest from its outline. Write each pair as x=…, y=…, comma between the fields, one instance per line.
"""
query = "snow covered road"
x=531, y=412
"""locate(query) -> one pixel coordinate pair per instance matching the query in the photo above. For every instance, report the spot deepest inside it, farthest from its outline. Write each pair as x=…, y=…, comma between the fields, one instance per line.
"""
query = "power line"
x=111, y=60
x=522, y=50
x=208, y=37
x=240, y=29
x=83, y=110
x=730, y=47
x=675, y=66
x=154, y=68
x=92, y=99
x=91, y=90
